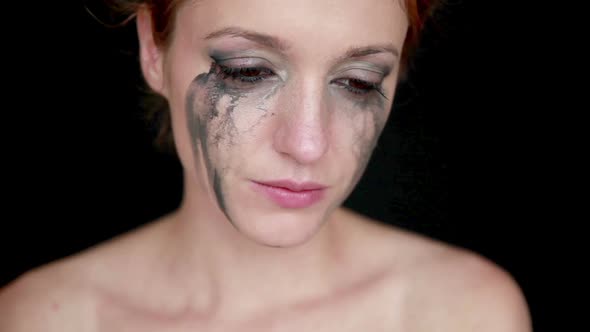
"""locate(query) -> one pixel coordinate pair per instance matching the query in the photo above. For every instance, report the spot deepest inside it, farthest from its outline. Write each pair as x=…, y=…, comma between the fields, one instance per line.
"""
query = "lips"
x=291, y=194
x=292, y=185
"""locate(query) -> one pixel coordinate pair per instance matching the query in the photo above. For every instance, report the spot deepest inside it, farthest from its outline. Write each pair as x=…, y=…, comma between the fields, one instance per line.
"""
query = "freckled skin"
x=215, y=103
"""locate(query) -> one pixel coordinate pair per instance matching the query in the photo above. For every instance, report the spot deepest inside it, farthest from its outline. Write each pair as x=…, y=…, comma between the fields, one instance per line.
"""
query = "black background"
x=458, y=160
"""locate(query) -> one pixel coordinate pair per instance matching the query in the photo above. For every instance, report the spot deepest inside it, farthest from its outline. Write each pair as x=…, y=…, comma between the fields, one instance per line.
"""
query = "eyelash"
x=243, y=74
x=369, y=86
x=239, y=73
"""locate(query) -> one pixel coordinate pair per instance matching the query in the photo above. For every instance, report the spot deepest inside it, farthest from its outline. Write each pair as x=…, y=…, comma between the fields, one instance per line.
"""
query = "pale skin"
x=230, y=259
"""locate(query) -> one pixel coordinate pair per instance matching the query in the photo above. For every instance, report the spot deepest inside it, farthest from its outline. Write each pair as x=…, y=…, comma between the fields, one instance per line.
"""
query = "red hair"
x=164, y=12
x=418, y=12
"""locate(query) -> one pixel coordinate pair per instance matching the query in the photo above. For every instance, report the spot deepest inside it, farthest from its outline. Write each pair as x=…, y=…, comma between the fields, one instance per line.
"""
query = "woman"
x=275, y=109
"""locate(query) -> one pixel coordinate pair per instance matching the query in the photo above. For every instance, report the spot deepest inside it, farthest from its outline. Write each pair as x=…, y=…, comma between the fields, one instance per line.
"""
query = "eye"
x=244, y=74
x=359, y=87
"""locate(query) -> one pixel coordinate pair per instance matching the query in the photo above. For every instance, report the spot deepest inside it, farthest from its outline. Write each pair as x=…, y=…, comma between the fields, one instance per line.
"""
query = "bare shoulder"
x=62, y=295
x=45, y=299
x=448, y=287
x=476, y=294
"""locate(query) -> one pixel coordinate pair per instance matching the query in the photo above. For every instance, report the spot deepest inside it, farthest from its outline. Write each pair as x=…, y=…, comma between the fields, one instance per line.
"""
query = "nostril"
x=301, y=130
x=306, y=145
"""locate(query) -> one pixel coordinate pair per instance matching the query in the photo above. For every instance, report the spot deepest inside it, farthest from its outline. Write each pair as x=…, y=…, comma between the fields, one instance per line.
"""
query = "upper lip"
x=292, y=185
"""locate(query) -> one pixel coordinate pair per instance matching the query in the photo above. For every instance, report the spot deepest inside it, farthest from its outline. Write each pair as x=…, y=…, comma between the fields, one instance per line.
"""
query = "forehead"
x=303, y=24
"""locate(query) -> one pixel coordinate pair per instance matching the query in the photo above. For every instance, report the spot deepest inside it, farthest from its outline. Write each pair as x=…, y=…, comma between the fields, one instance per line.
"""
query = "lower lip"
x=290, y=199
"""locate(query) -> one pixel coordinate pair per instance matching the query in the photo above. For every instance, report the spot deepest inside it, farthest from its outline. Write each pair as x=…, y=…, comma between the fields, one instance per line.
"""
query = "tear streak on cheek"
x=366, y=121
x=217, y=116
x=203, y=97
x=195, y=93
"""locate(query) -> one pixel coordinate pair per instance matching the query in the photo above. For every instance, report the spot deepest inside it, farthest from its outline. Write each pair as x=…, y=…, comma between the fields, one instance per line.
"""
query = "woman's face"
x=277, y=105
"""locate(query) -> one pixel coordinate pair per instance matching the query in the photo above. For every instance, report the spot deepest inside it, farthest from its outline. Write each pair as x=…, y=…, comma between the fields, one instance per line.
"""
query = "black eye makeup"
x=244, y=74
x=359, y=87
x=362, y=79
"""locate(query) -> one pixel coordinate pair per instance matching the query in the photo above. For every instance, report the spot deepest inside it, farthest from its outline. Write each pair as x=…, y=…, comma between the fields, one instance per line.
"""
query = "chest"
x=360, y=313
x=341, y=321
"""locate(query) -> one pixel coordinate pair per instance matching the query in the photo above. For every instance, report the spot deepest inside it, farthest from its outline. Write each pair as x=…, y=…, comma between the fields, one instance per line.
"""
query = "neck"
x=228, y=270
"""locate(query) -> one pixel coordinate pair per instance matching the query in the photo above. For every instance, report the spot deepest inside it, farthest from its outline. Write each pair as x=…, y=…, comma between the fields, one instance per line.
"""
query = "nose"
x=302, y=133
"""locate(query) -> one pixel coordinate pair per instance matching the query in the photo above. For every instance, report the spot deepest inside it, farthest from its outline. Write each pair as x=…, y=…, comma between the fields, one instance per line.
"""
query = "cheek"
x=222, y=118
x=360, y=125
x=364, y=134
x=249, y=113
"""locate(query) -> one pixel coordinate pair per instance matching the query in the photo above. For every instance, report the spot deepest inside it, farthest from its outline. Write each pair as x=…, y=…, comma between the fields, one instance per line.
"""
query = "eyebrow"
x=282, y=46
x=259, y=38
x=357, y=52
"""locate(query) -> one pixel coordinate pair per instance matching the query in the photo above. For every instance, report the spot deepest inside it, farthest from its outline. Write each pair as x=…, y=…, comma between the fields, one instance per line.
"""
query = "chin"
x=280, y=229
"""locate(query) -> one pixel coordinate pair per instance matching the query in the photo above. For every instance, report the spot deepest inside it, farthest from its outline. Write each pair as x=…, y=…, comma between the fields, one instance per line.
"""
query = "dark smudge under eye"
x=373, y=106
x=205, y=91
x=219, y=193
x=211, y=126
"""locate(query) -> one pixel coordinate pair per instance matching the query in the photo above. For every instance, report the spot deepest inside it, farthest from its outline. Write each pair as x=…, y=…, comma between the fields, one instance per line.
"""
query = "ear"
x=150, y=55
